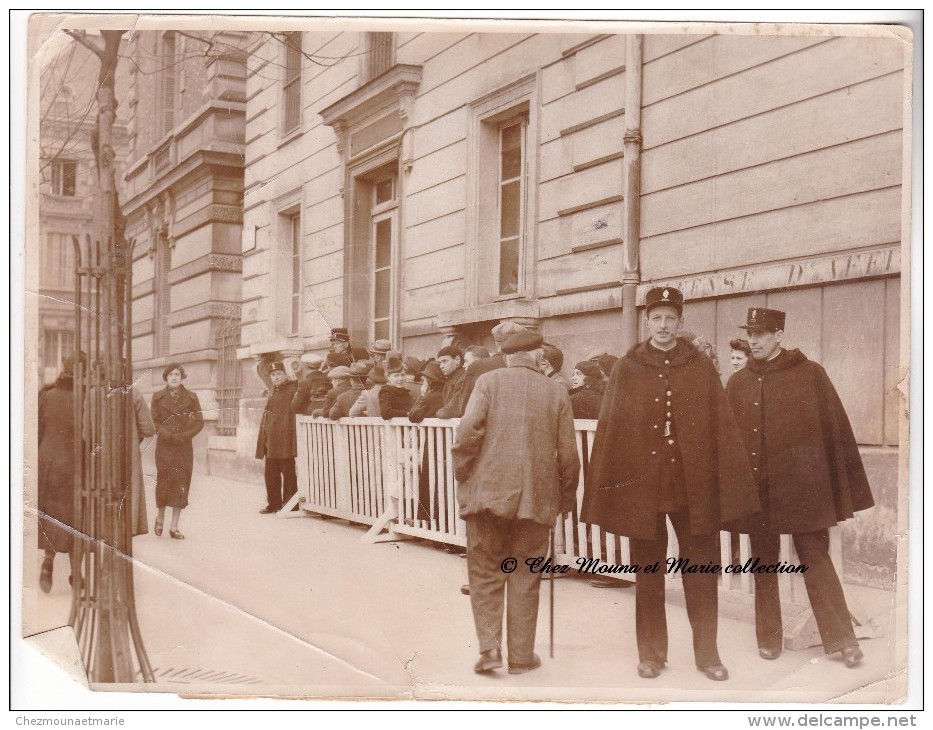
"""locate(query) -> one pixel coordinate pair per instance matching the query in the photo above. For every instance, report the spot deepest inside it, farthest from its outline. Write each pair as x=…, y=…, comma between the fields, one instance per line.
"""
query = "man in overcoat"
x=500, y=333
x=516, y=464
x=809, y=475
x=277, y=442
x=666, y=446
x=450, y=361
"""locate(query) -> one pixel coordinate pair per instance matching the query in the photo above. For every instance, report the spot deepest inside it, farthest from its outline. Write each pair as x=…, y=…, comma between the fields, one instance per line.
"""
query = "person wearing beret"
x=667, y=447
x=500, y=333
x=368, y=402
x=339, y=376
x=358, y=373
x=809, y=475
x=586, y=395
x=395, y=399
x=517, y=468
x=176, y=413
x=313, y=387
x=278, y=442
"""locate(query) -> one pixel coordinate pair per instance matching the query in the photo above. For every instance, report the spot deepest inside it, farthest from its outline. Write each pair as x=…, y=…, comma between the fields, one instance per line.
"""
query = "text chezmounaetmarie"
x=543, y=564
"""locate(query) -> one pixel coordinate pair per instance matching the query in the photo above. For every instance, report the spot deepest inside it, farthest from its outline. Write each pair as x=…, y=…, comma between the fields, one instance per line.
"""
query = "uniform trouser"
x=490, y=540
x=700, y=591
x=281, y=481
x=823, y=588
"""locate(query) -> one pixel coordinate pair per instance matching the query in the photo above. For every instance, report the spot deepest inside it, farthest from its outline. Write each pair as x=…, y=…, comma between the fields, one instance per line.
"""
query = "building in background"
x=183, y=201
x=425, y=186
x=67, y=190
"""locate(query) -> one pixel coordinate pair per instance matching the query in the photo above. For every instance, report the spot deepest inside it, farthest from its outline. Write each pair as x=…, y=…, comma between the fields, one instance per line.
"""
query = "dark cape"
x=56, y=474
x=622, y=482
x=277, y=432
x=807, y=464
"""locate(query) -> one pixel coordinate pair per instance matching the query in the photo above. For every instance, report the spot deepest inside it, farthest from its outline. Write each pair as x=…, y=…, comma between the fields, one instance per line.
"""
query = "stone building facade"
x=183, y=202
x=430, y=185
x=66, y=191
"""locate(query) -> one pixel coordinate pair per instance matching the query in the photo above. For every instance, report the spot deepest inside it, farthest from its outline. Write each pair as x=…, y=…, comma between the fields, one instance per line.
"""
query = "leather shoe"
x=766, y=653
x=158, y=528
x=852, y=656
x=488, y=660
x=267, y=510
x=176, y=535
x=45, y=577
x=649, y=669
x=522, y=668
x=465, y=590
x=716, y=672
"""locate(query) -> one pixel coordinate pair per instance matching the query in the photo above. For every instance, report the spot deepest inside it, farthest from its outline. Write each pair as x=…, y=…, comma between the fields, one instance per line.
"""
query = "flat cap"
x=312, y=360
x=502, y=331
x=341, y=371
x=589, y=369
x=522, y=342
x=432, y=371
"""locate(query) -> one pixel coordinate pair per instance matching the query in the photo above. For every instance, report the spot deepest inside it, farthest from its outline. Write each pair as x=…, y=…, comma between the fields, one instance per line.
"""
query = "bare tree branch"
x=81, y=37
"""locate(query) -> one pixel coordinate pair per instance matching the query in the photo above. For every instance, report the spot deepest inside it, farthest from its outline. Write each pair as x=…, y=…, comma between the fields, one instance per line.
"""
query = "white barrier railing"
x=400, y=476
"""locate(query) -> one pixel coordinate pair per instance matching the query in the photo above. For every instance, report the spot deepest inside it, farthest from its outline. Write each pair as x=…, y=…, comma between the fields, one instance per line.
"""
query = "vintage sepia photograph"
x=468, y=360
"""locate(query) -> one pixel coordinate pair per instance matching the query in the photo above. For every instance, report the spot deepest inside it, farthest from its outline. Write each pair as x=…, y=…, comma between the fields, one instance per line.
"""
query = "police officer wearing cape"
x=809, y=474
x=666, y=446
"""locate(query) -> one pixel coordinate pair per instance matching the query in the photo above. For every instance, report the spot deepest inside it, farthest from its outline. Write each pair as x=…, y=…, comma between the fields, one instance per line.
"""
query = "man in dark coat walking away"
x=56, y=475
x=278, y=442
x=666, y=445
x=516, y=464
x=809, y=475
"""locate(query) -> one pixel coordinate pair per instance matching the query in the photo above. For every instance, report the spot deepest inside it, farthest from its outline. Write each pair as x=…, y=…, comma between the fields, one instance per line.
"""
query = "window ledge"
x=290, y=137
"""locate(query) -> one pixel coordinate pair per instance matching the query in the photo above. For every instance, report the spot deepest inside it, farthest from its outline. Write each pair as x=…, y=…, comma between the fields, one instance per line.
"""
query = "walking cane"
x=551, y=581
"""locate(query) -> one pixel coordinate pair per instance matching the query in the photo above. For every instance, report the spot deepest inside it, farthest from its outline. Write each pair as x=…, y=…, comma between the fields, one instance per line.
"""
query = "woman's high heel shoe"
x=176, y=535
x=158, y=528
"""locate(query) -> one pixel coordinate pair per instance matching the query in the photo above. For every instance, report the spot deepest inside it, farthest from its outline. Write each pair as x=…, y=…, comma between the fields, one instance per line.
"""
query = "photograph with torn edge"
x=413, y=359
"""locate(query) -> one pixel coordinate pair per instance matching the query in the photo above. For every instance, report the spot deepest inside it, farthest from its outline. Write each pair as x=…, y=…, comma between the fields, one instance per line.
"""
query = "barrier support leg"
x=290, y=505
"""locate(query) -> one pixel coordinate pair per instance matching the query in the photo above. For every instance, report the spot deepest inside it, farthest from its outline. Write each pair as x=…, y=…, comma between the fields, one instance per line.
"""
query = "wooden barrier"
x=399, y=476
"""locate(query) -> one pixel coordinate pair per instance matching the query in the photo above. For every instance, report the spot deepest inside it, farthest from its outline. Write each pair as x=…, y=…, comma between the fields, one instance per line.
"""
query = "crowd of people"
x=772, y=453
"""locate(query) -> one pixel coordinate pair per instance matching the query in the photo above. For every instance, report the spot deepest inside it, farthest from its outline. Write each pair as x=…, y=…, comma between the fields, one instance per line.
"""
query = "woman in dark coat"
x=176, y=413
x=56, y=470
x=586, y=395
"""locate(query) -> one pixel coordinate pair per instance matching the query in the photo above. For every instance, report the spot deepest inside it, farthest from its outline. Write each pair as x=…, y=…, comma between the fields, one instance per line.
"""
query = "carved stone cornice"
x=212, y=262
x=401, y=80
x=207, y=310
x=214, y=213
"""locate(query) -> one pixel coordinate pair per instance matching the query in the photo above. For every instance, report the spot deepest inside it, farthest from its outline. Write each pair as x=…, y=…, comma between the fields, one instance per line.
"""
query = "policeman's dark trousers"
x=823, y=588
x=490, y=540
x=700, y=591
x=281, y=481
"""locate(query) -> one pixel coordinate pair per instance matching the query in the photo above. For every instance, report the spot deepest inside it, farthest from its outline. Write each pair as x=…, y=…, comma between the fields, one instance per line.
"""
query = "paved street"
x=257, y=604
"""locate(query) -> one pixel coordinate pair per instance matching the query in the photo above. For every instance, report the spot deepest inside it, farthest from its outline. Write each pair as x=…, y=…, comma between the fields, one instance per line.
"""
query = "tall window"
x=57, y=345
x=384, y=233
x=381, y=53
x=58, y=262
x=295, y=310
x=163, y=293
x=169, y=74
x=291, y=98
x=64, y=177
x=511, y=207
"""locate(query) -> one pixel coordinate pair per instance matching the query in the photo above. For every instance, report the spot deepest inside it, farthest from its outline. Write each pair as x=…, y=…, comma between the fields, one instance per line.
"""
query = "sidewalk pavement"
x=299, y=606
